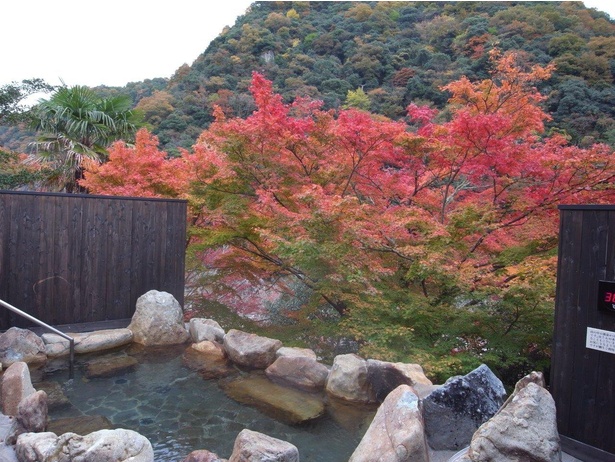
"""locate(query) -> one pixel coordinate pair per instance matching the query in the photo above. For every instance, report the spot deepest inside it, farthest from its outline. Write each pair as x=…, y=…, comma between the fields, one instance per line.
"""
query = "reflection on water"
x=179, y=411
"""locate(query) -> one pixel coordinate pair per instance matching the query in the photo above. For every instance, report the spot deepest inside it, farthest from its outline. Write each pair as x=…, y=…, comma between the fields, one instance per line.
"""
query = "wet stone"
x=82, y=425
x=281, y=403
x=109, y=366
x=56, y=399
x=208, y=366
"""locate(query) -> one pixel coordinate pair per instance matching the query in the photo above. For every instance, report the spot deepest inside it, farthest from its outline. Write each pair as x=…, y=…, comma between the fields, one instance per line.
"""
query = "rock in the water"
x=56, y=399
x=21, y=345
x=454, y=411
x=294, y=351
x=211, y=350
x=250, y=350
x=348, y=379
x=87, y=342
x=298, y=371
x=205, y=329
x=32, y=416
x=108, y=366
x=396, y=434
x=118, y=445
x=354, y=417
x=208, y=359
x=81, y=425
x=252, y=446
x=158, y=320
x=282, y=403
x=202, y=455
x=16, y=385
x=525, y=429
x=384, y=377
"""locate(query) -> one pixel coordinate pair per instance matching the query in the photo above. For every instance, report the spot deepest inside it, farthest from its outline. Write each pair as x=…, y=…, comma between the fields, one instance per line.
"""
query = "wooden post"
x=583, y=360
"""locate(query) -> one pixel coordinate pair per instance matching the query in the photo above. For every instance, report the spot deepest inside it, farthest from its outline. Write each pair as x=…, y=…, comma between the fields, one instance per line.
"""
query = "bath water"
x=179, y=411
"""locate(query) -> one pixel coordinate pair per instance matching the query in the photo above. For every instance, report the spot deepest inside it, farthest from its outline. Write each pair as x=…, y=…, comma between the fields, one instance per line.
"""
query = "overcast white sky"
x=114, y=42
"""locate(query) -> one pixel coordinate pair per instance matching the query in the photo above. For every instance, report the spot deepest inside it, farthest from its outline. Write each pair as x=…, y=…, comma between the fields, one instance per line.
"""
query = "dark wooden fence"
x=68, y=258
x=583, y=362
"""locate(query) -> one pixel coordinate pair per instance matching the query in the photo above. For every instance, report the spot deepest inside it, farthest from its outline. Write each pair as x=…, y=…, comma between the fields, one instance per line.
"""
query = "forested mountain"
x=385, y=55
x=382, y=56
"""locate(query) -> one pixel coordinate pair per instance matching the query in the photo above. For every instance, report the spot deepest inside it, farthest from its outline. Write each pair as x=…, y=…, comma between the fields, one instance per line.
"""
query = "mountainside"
x=382, y=56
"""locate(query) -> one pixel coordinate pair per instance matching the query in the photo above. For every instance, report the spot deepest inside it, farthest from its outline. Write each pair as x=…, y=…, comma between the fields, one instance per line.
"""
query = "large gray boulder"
x=525, y=429
x=250, y=350
x=396, y=434
x=202, y=329
x=454, y=411
x=16, y=385
x=348, y=379
x=298, y=371
x=118, y=445
x=87, y=342
x=158, y=320
x=21, y=345
x=251, y=446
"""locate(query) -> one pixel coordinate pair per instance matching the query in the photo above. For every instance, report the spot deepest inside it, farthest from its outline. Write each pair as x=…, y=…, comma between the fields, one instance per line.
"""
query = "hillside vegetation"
x=383, y=56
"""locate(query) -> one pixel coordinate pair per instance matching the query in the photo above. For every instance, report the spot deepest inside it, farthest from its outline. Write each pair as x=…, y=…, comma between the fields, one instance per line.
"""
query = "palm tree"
x=77, y=126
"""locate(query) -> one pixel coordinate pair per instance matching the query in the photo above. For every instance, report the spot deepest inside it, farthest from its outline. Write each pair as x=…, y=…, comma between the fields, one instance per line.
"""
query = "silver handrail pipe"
x=46, y=326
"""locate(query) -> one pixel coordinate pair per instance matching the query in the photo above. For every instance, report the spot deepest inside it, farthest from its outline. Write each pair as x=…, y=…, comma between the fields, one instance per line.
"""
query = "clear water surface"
x=179, y=411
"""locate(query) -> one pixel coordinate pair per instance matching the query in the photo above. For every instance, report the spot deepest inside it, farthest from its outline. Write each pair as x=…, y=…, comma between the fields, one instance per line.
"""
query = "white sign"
x=601, y=340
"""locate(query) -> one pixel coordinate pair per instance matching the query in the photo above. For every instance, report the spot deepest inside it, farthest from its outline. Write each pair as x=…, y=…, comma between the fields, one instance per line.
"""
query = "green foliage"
x=75, y=126
x=357, y=99
x=12, y=96
x=15, y=174
x=508, y=330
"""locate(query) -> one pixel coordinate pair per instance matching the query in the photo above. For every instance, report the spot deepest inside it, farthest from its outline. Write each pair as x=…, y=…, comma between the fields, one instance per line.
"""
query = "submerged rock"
x=252, y=446
x=208, y=359
x=396, y=434
x=281, y=403
x=81, y=425
x=454, y=411
x=250, y=350
x=108, y=366
x=21, y=345
x=354, y=417
x=56, y=399
x=158, y=320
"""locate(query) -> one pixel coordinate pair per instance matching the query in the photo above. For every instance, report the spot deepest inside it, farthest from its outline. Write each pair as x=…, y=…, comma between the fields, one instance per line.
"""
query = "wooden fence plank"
x=583, y=379
x=69, y=259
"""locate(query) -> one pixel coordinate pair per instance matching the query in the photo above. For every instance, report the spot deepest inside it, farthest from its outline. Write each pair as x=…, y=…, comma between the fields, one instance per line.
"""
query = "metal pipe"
x=29, y=317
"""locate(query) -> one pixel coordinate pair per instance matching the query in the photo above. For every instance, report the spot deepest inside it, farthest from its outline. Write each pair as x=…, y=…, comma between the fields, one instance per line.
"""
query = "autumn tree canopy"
x=365, y=210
